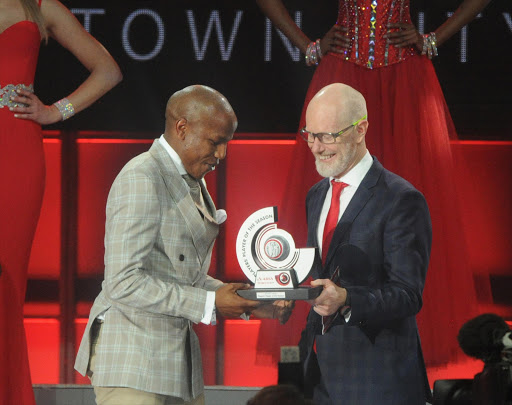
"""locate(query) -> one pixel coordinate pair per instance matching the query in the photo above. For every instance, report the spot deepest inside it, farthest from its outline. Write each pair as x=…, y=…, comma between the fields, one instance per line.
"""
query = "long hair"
x=33, y=13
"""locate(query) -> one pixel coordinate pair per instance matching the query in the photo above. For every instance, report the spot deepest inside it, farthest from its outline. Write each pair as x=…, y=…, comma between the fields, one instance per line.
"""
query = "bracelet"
x=313, y=53
x=345, y=310
x=429, y=45
x=318, y=49
x=347, y=306
x=65, y=108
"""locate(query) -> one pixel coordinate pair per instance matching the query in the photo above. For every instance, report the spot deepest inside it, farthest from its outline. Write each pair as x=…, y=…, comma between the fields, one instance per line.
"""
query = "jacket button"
x=181, y=258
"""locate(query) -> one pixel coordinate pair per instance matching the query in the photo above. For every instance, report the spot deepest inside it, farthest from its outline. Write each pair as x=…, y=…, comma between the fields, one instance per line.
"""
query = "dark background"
x=266, y=95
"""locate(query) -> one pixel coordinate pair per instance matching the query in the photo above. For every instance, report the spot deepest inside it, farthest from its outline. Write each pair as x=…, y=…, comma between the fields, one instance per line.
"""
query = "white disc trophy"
x=269, y=259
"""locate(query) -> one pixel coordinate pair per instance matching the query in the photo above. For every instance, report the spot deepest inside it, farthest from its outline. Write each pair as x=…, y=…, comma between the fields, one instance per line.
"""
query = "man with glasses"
x=373, y=233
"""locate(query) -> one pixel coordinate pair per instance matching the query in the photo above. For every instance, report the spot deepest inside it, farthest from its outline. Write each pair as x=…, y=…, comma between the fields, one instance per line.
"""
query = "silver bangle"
x=433, y=43
x=310, y=56
x=425, y=44
x=318, y=49
x=313, y=53
x=429, y=45
x=65, y=108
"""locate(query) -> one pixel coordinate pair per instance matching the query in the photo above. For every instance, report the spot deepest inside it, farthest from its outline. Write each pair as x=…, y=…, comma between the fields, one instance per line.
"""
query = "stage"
x=47, y=394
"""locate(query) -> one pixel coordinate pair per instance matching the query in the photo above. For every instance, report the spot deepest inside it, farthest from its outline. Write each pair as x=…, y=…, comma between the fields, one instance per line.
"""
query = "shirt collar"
x=174, y=156
x=356, y=175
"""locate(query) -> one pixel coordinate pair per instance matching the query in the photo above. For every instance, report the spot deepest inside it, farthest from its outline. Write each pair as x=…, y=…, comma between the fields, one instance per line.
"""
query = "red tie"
x=332, y=216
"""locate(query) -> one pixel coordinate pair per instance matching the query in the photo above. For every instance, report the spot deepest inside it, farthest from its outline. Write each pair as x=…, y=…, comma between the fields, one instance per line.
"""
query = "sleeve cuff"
x=209, y=316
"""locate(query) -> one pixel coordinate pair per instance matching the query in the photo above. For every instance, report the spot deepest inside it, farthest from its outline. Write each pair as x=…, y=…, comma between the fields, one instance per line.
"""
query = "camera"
x=488, y=338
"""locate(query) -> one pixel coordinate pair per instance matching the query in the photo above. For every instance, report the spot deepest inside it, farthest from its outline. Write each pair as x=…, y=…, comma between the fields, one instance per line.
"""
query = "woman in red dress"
x=23, y=24
x=375, y=48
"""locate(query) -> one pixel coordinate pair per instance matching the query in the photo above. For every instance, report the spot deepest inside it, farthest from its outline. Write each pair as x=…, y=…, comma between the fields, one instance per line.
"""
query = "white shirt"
x=353, y=178
x=209, y=308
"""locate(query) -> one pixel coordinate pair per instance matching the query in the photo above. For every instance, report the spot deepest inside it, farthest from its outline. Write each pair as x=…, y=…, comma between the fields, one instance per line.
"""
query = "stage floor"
x=47, y=394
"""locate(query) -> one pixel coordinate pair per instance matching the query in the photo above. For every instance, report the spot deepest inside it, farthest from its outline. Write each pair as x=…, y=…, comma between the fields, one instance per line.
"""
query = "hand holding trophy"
x=269, y=259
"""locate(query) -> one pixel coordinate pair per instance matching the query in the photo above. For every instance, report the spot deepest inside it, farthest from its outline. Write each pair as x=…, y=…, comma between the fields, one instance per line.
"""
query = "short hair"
x=355, y=106
x=194, y=101
x=348, y=104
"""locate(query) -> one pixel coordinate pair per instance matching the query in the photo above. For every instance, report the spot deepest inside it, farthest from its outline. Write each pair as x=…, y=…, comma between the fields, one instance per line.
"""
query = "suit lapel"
x=361, y=197
x=178, y=191
x=315, y=209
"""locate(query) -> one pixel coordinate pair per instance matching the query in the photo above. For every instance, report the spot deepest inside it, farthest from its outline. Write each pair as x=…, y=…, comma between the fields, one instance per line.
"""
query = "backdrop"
x=164, y=45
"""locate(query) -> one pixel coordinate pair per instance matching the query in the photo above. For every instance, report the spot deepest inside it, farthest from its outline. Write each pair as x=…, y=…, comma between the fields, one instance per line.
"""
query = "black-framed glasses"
x=326, y=137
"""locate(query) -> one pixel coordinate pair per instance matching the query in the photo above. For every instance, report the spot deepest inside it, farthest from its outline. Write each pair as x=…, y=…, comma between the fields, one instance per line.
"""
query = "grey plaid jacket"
x=157, y=253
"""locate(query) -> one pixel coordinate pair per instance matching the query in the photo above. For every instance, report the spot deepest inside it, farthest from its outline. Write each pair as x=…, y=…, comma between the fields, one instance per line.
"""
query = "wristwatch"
x=346, y=308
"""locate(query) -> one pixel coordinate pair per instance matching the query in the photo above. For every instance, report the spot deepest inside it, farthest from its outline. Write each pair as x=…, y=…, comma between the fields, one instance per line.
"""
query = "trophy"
x=269, y=259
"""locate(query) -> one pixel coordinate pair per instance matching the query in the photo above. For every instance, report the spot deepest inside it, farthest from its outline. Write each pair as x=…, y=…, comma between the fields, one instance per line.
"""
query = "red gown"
x=409, y=132
x=22, y=177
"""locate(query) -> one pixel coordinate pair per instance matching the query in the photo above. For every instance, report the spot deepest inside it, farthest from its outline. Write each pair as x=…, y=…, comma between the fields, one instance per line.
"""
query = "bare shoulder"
x=62, y=24
x=54, y=11
x=48, y=6
x=10, y=13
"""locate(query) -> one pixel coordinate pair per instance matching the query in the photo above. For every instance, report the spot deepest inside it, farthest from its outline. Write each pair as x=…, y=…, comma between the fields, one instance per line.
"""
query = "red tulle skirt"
x=409, y=132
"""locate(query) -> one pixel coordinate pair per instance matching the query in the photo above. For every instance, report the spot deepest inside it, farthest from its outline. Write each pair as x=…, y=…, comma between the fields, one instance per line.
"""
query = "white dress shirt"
x=353, y=178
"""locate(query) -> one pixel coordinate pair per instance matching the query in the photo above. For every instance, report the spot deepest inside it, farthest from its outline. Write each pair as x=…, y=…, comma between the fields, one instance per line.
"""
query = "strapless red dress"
x=22, y=176
x=409, y=132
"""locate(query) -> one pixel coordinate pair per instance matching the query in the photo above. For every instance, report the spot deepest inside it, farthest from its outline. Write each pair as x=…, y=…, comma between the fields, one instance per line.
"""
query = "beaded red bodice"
x=367, y=22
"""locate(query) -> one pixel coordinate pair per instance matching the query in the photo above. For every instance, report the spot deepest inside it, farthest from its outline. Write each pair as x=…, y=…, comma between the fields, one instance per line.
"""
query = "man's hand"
x=229, y=304
x=331, y=298
x=281, y=310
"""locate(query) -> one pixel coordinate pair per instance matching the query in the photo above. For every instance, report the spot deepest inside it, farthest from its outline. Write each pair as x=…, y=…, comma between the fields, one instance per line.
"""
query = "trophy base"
x=273, y=294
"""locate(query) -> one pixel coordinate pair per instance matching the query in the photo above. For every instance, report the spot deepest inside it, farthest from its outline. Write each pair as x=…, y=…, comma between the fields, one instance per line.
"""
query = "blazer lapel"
x=178, y=191
x=314, y=212
x=363, y=194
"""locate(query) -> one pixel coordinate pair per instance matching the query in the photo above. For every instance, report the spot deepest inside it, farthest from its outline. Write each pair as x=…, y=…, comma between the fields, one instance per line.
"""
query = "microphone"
x=485, y=337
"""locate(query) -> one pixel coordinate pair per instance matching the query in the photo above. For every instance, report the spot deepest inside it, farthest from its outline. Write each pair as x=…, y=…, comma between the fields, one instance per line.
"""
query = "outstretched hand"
x=33, y=109
x=229, y=304
x=331, y=299
x=402, y=34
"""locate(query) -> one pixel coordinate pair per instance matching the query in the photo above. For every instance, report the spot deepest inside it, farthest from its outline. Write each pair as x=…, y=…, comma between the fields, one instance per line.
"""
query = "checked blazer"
x=157, y=253
x=382, y=247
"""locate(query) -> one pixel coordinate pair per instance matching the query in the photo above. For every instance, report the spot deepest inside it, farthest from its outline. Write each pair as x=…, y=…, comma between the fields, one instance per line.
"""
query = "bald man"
x=373, y=233
x=139, y=347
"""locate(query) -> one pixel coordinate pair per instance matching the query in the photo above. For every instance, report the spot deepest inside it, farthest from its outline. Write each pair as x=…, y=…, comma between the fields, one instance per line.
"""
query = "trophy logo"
x=283, y=279
x=269, y=259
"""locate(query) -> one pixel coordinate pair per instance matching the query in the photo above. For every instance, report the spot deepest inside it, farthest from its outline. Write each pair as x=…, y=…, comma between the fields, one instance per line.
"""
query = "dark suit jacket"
x=382, y=246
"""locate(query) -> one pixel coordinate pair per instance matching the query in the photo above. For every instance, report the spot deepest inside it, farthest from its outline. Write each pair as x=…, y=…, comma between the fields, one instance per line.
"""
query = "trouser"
x=129, y=396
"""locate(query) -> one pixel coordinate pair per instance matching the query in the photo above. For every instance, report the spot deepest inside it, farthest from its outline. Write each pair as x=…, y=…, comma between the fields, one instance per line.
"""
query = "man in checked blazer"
x=139, y=346
x=361, y=344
